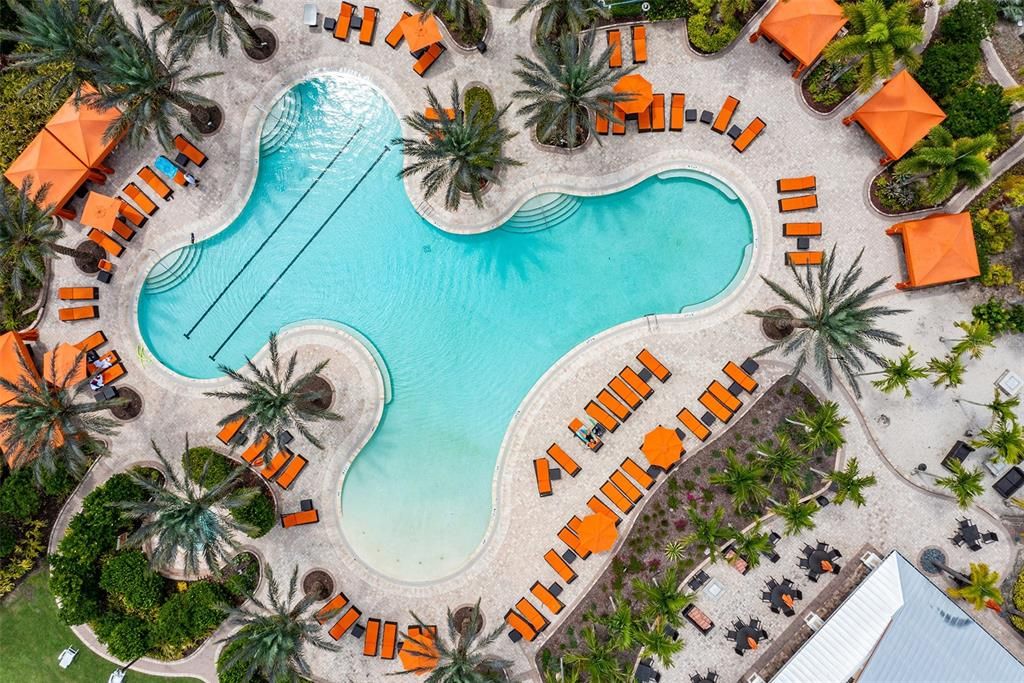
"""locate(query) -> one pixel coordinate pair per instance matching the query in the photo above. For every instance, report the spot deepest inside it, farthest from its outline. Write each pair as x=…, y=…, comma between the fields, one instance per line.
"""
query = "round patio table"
x=744, y=633
x=777, y=601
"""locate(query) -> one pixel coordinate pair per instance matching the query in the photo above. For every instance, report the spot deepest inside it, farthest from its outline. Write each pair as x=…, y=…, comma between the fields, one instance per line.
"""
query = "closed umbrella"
x=751, y=642
x=65, y=361
x=418, y=653
x=641, y=90
x=597, y=533
x=663, y=447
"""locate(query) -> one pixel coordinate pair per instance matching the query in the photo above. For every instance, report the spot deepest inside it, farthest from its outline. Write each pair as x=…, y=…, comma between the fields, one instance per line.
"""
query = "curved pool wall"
x=465, y=325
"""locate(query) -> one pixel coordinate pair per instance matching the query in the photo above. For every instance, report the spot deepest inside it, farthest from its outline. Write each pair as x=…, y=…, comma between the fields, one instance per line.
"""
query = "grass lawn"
x=33, y=636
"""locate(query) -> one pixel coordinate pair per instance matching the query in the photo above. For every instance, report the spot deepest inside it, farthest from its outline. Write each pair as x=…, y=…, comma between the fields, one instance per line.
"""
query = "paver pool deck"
x=902, y=513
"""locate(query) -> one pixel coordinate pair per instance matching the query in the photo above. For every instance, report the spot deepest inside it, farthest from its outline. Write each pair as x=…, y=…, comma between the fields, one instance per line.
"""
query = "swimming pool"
x=466, y=325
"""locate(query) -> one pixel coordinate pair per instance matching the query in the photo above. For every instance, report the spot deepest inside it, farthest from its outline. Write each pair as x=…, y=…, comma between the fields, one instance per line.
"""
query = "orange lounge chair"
x=678, y=107
x=93, y=341
x=719, y=391
x=630, y=467
x=109, y=245
x=636, y=382
x=300, y=518
x=648, y=360
x=395, y=36
x=428, y=58
x=658, y=113
x=563, y=459
x=555, y=561
x=725, y=114
x=805, y=258
x=230, y=430
x=270, y=469
x=715, y=407
x=256, y=448
x=804, y=201
x=78, y=293
x=598, y=507
x=79, y=313
x=121, y=229
x=546, y=597
x=643, y=120
x=623, y=391
x=389, y=640
x=626, y=486
x=616, y=497
x=295, y=466
x=696, y=427
x=574, y=527
x=341, y=29
x=740, y=376
x=371, y=638
x=190, y=151
x=160, y=187
x=537, y=620
x=615, y=40
x=111, y=357
x=345, y=623
x=113, y=373
x=801, y=229
x=566, y=536
x=136, y=194
x=614, y=405
x=542, y=470
x=619, y=127
x=134, y=216
x=604, y=419
x=329, y=610
x=639, y=44
x=601, y=125
x=368, y=29
x=520, y=625
x=807, y=183
x=432, y=114
x=748, y=135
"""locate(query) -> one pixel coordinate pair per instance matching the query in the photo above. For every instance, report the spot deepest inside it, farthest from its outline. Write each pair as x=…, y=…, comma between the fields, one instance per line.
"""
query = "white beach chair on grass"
x=66, y=657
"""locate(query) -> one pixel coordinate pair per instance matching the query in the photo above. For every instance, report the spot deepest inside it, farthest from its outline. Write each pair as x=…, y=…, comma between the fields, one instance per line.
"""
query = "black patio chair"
x=803, y=562
x=766, y=596
x=730, y=635
x=836, y=553
x=772, y=583
x=807, y=549
x=822, y=545
x=813, y=576
x=740, y=651
x=774, y=609
x=774, y=537
x=789, y=612
x=836, y=568
x=975, y=546
x=774, y=557
x=797, y=594
x=989, y=537
x=957, y=540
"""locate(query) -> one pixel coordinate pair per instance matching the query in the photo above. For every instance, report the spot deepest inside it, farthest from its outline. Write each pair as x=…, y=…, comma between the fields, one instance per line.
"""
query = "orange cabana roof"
x=46, y=160
x=641, y=90
x=65, y=362
x=802, y=27
x=15, y=365
x=420, y=31
x=83, y=129
x=898, y=115
x=938, y=249
x=418, y=653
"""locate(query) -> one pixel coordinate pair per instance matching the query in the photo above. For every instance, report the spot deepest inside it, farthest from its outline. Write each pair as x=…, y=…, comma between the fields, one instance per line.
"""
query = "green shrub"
x=59, y=483
x=895, y=194
x=237, y=673
x=666, y=10
x=125, y=635
x=1018, y=600
x=1013, y=190
x=23, y=558
x=25, y=114
x=706, y=34
x=1000, y=316
x=19, y=498
x=8, y=539
x=218, y=468
x=992, y=227
x=826, y=91
x=189, y=616
x=127, y=576
x=947, y=66
x=975, y=110
x=998, y=275
x=258, y=513
x=969, y=22
x=481, y=99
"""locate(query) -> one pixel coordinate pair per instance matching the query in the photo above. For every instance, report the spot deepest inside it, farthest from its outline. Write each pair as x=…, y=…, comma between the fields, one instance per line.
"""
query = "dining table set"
x=746, y=636
x=709, y=677
x=968, y=534
x=820, y=560
x=781, y=597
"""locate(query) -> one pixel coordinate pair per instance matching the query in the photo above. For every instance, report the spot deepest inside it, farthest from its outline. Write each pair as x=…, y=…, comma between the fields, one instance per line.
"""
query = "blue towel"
x=166, y=166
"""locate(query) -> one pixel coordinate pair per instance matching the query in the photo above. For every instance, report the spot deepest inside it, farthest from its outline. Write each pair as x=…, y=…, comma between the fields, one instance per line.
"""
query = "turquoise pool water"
x=466, y=325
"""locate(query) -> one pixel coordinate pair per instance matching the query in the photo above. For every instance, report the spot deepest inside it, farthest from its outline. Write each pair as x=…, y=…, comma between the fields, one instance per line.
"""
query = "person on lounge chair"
x=102, y=364
x=96, y=382
x=191, y=180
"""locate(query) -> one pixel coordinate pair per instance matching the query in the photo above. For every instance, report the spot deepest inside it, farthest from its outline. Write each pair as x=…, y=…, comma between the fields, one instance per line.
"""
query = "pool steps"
x=281, y=123
x=172, y=269
x=542, y=212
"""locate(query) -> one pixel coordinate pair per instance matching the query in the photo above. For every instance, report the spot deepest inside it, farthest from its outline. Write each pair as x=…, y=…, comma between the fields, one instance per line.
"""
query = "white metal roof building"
x=897, y=626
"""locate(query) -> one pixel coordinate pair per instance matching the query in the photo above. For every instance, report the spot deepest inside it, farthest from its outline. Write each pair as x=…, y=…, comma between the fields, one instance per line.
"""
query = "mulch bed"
x=96, y=252
x=132, y=407
x=260, y=54
x=318, y=583
x=321, y=386
x=663, y=513
x=776, y=330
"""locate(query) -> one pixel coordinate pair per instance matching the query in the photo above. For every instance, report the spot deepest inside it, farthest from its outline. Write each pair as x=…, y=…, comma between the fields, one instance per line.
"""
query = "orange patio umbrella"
x=597, y=533
x=100, y=211
x=418, y=653
x=420, y=31
x=83, y=129
x=898, y=115
x=802, y=28
x=751, y=642
x=938, y=249
x=640, y=88
x=663, y=447
x=65, y=361
x=46, y=161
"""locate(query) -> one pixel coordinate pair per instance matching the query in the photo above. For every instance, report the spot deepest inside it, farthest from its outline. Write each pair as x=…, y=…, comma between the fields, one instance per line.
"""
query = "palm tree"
x=273, y=401
x=752, y=544
x=153, y=91
x=61, y=34
x=28, y=237
x=797, y=516
x=663, y=600
x=274, y=635
x=461, y=154
x=621, y=624
x=982, y=589
x=597, y=658
x=565, y=87
x=47, y=424
x=1002, y=409
x=744, y=482
x=977, y=337
x=709, y=533
x=947, y=371
x=782, y=462
x=898, y=373
x=944, y=163
x=462, y=655
x=675, y=550
x=849, y=483
x=1006, y=438
x=214, y=22
x=464, y=13
x=822, y=429
x=182, y=517
x=835, y=322
x=878, y=37
x=964, y=484
x=562, y=16
x=660, y=645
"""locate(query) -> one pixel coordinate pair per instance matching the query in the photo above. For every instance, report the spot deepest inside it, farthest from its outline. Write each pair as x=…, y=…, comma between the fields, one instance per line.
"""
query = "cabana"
x=47, y=161
x=938, y=249
x=83, y=130
x=802, y=28
x=898, y=116
x=16, y=365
